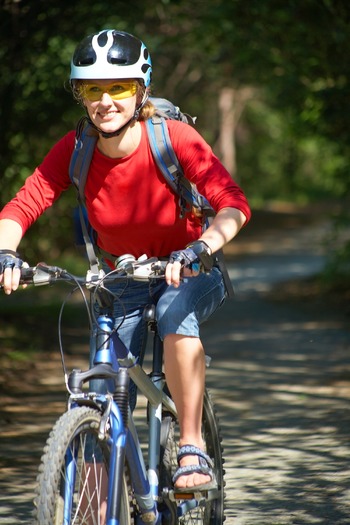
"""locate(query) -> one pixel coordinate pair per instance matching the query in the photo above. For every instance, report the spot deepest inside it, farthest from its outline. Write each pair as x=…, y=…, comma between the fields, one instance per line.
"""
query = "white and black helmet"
x=111, y=54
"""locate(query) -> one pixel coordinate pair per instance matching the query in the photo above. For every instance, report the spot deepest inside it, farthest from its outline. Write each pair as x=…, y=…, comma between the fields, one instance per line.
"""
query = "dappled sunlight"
x=274, y=331
x=282, y=384
x=285, y=444
x=265, y=270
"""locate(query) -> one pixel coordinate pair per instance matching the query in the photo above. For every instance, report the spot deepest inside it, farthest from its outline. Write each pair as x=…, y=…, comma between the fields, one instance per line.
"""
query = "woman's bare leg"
x=184, y=363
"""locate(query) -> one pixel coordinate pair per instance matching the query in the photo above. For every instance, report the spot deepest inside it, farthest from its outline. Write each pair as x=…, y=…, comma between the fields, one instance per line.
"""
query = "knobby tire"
x=76, y=433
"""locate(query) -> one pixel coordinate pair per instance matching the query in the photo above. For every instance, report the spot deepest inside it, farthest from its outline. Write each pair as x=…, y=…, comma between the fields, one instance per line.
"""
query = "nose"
x=106, y=99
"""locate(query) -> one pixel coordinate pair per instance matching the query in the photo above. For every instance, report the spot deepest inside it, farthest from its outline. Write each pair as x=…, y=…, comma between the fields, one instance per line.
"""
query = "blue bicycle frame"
x=122, y=437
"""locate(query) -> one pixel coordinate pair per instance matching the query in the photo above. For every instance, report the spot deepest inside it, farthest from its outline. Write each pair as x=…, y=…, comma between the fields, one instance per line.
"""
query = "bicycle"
x=93, y=470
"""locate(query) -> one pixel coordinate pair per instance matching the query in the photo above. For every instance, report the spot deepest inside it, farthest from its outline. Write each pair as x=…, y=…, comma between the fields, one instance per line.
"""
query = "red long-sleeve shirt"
x=129, y=203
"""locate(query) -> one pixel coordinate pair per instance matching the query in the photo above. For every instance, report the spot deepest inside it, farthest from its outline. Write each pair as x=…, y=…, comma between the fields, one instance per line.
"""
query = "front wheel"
x=212, y=512
x=73, y=475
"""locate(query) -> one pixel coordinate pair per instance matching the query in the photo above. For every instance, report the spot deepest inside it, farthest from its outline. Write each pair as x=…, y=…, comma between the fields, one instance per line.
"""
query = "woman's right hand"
x=10, y=270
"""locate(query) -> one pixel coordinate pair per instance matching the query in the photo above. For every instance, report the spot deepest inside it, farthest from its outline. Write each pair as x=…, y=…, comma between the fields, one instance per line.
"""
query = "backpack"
x=189, y=197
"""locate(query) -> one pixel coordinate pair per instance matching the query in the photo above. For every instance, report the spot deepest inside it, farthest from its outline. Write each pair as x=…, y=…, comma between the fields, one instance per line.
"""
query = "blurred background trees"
x=268, y=80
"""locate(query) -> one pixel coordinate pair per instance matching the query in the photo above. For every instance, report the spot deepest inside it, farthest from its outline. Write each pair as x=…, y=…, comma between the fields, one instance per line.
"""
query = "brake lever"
x=44, y=274
x=141, y=270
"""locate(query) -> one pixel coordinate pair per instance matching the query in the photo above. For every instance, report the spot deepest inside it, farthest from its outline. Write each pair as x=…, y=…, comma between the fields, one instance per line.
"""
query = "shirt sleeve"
x=205, y=170
x=43, y=187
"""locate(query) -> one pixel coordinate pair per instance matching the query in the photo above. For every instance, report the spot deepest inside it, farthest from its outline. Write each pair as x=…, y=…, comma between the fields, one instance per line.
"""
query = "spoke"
x=81, y=497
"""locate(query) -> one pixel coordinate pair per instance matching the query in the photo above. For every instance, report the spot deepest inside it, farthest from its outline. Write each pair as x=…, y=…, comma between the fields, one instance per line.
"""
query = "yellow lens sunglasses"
x=116, y=90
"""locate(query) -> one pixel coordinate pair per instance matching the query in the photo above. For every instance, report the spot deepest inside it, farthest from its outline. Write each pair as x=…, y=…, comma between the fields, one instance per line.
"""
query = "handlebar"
x=143, y=270
x=94, y=283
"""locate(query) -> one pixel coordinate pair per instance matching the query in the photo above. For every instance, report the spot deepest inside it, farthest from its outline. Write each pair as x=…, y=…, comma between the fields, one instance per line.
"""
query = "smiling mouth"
x=110, y=114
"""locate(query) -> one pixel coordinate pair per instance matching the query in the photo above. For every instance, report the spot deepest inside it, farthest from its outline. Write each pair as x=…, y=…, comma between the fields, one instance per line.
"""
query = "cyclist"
x=133, y=211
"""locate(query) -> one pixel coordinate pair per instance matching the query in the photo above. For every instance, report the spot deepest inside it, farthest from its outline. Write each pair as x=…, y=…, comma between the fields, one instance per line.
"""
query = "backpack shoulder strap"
x=168, y=163
x=85, y=142
x=163, y=151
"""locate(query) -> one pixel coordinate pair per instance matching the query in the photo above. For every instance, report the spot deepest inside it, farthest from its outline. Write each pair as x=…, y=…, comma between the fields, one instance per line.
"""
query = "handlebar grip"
x=27, y=275
x=39, y=275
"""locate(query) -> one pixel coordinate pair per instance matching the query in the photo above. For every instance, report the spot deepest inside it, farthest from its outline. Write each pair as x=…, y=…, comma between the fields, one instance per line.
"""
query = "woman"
x=133, y=211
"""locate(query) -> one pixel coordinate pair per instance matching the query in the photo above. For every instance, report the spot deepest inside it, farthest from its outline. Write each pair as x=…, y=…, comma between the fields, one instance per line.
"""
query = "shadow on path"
x=280, y=376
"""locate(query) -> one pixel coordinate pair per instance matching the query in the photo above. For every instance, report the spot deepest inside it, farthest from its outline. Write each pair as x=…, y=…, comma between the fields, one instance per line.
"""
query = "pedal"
x=200, y=496
x=175, y=495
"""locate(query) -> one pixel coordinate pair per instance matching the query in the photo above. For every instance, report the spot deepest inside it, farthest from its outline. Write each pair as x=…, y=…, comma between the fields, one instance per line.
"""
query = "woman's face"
x=109, y=103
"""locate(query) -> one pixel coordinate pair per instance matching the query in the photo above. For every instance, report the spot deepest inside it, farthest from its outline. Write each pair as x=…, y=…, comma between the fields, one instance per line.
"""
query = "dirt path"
x=280, y=376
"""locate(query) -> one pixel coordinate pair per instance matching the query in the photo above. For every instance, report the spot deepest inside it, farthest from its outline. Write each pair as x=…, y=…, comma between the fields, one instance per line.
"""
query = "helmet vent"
x=119, y=61
x=86, y=62
x=102, y=38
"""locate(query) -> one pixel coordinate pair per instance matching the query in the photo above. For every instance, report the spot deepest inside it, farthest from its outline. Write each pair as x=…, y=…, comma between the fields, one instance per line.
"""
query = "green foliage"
x=293, y=136
x=290, y=166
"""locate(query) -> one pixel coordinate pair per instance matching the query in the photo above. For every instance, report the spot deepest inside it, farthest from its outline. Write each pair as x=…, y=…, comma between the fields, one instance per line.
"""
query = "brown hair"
x=147, y=111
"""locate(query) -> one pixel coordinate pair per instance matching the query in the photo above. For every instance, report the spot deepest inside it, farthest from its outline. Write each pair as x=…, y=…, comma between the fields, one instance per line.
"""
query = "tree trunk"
x=227, y=145
x=231, y=105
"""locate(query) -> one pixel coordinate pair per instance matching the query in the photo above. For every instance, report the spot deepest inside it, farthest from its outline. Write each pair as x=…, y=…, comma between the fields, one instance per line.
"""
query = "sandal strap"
x=191, y=450
x=190, y=469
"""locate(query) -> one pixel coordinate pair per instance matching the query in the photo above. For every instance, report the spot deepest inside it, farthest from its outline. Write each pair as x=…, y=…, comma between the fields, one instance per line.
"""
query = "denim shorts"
x=178, y=310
